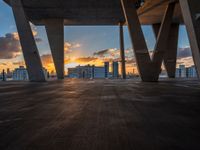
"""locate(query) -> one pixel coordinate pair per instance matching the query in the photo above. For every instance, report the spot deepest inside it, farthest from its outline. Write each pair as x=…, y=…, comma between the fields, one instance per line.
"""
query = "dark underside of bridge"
x=94, y=12
x=100, y=115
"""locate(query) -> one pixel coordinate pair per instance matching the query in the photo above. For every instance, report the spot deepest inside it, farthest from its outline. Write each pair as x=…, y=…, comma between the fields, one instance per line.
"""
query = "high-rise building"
x=3, y=75
x=115, y=69
x=8, y=73
x=191, y=72
x=178, y=73
x=106, y=65
x=20, y=74
x=87, y=72
x=183, y=72
x=99, y=72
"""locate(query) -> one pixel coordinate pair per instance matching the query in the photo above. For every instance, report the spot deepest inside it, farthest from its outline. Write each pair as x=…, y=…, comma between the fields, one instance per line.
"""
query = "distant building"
x=106, y=65
x=3, y=76
x=178, y=73
x=46, y=74
x=115, y=69
x=8, y=73
x=73, y=73
x=183, y=72
x=99, y=72
x=20, y=74
x=89, y=71
x=191, y=72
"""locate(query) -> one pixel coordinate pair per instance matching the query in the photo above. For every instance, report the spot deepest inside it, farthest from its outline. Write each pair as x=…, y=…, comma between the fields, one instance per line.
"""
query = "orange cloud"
x=85, y=59
x=187, y=61
x=9, y=46
x=69, y=46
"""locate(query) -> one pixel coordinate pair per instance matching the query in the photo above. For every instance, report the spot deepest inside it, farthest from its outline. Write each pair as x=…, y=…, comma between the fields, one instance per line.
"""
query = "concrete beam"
x=29, y=48
x=156, y=28
x=162, y=39
x=170, y=55
x=149, y=70
x=137, y=38
x=122, y=54
x=191, y=11
x=55, y=33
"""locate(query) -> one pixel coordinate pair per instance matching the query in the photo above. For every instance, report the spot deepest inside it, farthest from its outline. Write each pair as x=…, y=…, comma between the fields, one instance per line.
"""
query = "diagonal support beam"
x=149, y=70
x=55, y=33
x=191, y=11
x=170, y=55
x=162, y=39
x=29, y=48
x=137, y=38
x=122, y=53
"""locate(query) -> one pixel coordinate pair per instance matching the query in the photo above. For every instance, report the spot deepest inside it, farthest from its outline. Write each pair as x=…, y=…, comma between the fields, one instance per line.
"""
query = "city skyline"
x=83, y=44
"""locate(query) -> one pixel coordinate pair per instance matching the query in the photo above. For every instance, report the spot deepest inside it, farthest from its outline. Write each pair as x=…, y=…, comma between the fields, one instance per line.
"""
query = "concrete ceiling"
x=93, y=12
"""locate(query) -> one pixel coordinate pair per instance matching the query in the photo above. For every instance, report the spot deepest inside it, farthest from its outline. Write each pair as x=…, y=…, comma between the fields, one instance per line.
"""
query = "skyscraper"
x=20, y=74
x=115, y=69
x=87, y=72
x=191, y=72
x=106, y=65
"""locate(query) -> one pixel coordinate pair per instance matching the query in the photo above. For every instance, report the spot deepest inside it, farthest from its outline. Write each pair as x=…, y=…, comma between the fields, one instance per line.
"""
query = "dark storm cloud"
x=184, y=52
x=9, y=46
x=101, y=53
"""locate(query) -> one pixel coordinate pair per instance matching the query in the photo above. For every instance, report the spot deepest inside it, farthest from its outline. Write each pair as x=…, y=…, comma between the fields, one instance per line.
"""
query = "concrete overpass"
x=164, y=15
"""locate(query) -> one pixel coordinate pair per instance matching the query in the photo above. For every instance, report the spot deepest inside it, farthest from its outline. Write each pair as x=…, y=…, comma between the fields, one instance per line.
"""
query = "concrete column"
x=191, y=16
x=29, y=48
x=55, y=33
x=137, y=38
x=149, y=70
x=122, y=54
x=170, y=55
x=161, y=46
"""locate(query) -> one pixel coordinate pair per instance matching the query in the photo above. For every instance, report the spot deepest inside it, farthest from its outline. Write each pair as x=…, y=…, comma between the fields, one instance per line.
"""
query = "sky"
x=83, y=44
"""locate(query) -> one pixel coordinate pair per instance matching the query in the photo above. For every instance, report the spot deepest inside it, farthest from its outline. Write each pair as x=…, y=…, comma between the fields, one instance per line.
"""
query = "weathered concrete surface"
x=29, y=48
x=149, y=69
x=100, y=115
x=122, y=51
x=94, y=12
x=170, y=55
x=191, y=10
x=162, y=40
x=55, y=34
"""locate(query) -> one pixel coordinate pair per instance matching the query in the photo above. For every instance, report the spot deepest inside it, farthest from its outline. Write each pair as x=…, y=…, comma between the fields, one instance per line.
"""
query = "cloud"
x=4, y=64
x=47, y=59
x=9, y=46
x=19, y=63
x=68, y=46
x=113, y=54
x=187, y=61
x=86, y=59
x=184, y=52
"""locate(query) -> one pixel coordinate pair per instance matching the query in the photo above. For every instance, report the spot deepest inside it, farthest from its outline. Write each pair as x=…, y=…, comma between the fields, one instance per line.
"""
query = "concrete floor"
x=100, y=115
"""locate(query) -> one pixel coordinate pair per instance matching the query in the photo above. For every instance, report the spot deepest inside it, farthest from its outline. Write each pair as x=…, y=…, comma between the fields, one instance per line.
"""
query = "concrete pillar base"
x=170, y=55
x=122, y=54
x=29, y=48
x=149, y=69
x=55, y=33
x=191, y=11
